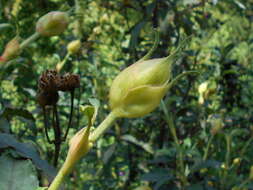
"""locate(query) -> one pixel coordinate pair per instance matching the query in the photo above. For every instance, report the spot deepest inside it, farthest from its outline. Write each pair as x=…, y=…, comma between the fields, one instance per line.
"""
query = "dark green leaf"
x=17, y=174
x=10, y=112
x=27, y=151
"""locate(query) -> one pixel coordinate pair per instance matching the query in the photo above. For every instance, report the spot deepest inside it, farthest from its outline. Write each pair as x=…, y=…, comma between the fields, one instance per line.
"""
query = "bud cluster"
x=52, y=24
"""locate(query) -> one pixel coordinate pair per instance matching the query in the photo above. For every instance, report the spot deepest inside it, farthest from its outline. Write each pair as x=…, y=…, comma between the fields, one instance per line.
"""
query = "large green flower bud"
x=52, y=24
x=139, y=88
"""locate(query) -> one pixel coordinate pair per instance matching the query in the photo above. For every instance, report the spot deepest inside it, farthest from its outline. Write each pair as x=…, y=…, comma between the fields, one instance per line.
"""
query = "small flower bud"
x=12, y=50
x=79, y=145
x=236, y=161
x=74, y=46
x=223, y=166
x=202, y=89
x=52, y=24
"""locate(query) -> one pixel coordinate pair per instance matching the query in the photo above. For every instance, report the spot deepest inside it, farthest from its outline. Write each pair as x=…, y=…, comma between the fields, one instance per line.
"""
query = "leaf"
x=156, y=175
x=4, y=125
x=135, y=34
x=159, y=176
x=240, y=5
x=10, y=112
x=108, y=154
x=205, y=164
x=17, y=174
x=196, y=187
x=27, y=151
x=143, y=145
x=4, y=26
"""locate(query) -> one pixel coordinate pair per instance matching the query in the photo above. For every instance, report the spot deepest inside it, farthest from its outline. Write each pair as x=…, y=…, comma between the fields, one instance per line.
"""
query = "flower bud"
x=202, y=89
x=74, y=46
x=139, y=88
x=236, y=161
x=12, y=50
x=79, y=145
x=52, y=24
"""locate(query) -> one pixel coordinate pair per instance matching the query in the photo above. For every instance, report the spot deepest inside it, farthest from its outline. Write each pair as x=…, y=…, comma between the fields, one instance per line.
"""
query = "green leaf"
x=4, y=125
x=10, y=112
x=135, y=33
x=17, y=174
x=205, y=164
x=91, y=111
x=27, y=151
x=141, y=144
x=159, y=176
x=108, y=153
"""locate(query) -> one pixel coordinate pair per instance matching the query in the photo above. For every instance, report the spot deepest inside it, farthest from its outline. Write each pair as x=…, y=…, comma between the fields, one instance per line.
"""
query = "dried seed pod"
x=49, y=81
x=48, y=87
x=69, y=82
x=47, y=98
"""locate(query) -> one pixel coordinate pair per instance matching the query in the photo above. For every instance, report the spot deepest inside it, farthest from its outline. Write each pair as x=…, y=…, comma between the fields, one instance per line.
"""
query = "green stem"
x=177, y=78
x=29, y=40
x=244, y=183
x=62, y=63
x=207, y=148
x=228, y=140
x=172, y=128
x=57, y=180
x=66, y=168
x=103, y=127
x=247, y=144
x=227, y=160
x=151, y=51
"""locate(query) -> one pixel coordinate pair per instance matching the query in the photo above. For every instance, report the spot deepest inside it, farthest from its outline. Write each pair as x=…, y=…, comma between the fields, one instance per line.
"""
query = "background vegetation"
x=211, y=148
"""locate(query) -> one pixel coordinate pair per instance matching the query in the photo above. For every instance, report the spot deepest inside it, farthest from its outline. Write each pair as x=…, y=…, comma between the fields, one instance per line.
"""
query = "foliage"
x=199, y=138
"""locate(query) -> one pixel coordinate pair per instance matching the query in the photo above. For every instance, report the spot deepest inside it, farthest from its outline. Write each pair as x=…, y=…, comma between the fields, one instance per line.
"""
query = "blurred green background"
x=212, y=112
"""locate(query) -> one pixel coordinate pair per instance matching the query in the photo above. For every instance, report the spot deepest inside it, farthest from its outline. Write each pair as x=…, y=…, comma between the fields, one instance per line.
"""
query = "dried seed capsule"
x=47, y=98
x=49, y=81
x=69, y=82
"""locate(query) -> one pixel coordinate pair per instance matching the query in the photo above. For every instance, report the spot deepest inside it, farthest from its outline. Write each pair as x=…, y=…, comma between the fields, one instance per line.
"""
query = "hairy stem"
x=100, y=130
x=29, y=40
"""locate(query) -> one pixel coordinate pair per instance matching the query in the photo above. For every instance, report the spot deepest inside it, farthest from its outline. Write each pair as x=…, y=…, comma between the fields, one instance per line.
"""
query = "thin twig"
x=57, y=133
x=71, y=114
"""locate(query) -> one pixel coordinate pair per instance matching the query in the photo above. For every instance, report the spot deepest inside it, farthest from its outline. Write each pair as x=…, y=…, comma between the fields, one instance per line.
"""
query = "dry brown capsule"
x=69, y=82
x=48, y=87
